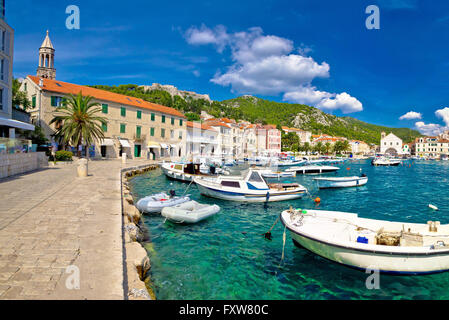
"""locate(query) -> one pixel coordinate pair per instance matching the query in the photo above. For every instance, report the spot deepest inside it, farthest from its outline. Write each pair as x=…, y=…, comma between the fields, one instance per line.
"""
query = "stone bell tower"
x=46, y=67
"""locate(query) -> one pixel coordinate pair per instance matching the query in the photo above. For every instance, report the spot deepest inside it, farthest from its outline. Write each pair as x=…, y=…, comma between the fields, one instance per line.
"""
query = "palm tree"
x=327, y=147
x=346, y=146
x=318, y=147
x=78, y=121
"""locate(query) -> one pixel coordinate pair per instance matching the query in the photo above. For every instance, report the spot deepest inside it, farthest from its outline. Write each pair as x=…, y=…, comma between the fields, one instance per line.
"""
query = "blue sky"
x=315, y=52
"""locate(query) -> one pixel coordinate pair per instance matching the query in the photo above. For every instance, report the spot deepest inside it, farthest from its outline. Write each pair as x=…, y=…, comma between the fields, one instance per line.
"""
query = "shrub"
x=63, y=155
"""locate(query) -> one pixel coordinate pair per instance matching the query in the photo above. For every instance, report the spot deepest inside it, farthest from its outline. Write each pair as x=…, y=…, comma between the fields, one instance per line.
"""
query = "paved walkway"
x=50, y=220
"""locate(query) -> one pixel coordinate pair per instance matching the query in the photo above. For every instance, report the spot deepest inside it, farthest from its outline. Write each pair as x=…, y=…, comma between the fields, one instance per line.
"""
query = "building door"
x=137, y=150
x=103, y=151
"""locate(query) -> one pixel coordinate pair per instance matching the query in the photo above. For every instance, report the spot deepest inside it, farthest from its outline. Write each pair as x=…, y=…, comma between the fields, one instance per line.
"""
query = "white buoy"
x=431, y=206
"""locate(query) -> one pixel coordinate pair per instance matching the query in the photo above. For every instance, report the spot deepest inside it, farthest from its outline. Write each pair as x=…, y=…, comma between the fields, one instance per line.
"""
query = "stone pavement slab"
x=54, y=224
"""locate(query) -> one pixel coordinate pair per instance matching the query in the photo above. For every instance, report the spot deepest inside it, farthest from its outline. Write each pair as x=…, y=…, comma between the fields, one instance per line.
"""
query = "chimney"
x=41, y=82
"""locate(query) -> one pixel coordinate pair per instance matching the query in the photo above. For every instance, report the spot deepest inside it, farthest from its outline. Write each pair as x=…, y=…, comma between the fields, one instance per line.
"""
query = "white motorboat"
x=313, y=169
x=155, y=202
x=269, y=173
x=385, y=162
x=185, y=172
x=341, y=182
x=390, y=247
x=249, y=187
x=189, y=212
x=289, y=163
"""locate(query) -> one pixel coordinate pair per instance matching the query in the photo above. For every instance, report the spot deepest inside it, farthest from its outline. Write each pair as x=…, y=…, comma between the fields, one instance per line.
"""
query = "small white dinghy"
x=189, y=212
x=387, y=246
x=341, y=182
x=155, y=202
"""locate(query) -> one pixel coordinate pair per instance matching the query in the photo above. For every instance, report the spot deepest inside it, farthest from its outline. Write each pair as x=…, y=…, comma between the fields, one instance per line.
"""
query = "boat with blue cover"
x=249, y=187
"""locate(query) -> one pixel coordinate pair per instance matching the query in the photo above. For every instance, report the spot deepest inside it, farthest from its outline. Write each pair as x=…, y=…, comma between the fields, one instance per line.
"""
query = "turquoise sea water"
x=226, y=257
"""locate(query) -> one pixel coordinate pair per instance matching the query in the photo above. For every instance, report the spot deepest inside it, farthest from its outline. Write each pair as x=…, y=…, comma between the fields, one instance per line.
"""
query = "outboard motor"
x=172, y=193
x=212, y=169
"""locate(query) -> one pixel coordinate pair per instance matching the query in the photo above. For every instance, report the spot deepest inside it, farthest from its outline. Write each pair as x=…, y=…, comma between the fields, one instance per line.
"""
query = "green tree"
x=78, y=121
x=327, y=147
x=192, y=116
x=19, y=98
x=306, y=147
x=319, y=147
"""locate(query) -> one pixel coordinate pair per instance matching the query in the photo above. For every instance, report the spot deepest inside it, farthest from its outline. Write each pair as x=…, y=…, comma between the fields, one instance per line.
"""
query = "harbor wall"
x=136, y=260
x=18, y=163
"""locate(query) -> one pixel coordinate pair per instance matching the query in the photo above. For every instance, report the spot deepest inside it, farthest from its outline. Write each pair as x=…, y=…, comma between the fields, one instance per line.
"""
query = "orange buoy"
x=317, y=200
x=348, y=168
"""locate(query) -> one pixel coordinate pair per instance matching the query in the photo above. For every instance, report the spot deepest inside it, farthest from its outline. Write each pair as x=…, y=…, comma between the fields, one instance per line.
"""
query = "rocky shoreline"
x=137, y=279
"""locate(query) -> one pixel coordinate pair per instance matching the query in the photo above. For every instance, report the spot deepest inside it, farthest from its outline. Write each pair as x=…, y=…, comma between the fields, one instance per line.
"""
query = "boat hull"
x=245, y=197
x=178, y=176
x=328, y=184
x=400, y=263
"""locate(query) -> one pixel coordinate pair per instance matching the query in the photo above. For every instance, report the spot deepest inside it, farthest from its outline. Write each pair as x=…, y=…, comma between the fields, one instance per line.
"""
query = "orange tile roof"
x=70, y=88
x=198, y=125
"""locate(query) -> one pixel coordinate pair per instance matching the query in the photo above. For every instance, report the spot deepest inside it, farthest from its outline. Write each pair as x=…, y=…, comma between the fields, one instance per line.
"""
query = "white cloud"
x=341, y=101
x=270, y=65
x=429, y=129
x=411, y=115
x=443, y=114
x=204, y=35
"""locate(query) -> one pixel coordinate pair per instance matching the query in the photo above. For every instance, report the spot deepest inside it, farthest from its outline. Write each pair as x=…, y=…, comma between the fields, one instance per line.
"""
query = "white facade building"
x=390, y=144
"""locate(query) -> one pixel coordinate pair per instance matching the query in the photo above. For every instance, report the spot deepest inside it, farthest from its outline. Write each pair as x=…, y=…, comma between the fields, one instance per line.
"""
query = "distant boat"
x=386, y=162
x=250, y=187
x=341, y=182
x=390, y=247
x=312, y=169
x=185, y=172
x=269, y=173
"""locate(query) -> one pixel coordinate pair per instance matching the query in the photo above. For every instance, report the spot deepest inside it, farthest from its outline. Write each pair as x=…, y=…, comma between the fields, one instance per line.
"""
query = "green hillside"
x=263, y=111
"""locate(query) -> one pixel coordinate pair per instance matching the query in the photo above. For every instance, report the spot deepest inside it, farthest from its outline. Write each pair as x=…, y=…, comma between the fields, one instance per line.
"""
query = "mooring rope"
x=188, y=187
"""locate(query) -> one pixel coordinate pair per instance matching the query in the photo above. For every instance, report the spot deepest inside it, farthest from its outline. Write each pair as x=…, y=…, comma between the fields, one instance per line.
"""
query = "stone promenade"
x=53, y=224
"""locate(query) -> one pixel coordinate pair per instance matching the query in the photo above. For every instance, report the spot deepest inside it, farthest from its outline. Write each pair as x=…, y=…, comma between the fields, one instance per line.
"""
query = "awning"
x=164, y=146
x=16, y=124
x=125, y=143
x=152, y=144
x=173, y=146
x=107, y=142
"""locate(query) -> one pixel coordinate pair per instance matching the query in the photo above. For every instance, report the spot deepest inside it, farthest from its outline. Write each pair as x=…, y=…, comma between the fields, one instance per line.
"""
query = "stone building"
x=136, y=127
x=390, y=144
x=8, y=125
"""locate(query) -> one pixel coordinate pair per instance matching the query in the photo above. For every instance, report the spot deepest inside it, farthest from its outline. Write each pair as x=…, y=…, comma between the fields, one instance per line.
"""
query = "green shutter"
x=136, y=151
x=122, y=128
x=152, y=132
x=104, y=108
x=152, y=117
x=172, y=121
x=138, y=130
x=123, y=112
x=53, y=101
x=163, y=119
x=33, y=103
x=163, y=133
x=180, y=122
x=104, y=126
x=139, y=114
